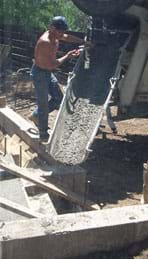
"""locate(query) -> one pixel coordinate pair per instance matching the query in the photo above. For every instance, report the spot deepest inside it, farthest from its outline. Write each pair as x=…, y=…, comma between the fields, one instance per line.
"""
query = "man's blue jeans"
x=45, y=84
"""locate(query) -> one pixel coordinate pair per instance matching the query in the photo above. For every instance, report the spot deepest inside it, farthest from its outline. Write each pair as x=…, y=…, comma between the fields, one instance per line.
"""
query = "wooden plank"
x=59, y=190
x=15, y=207
x=12, y=122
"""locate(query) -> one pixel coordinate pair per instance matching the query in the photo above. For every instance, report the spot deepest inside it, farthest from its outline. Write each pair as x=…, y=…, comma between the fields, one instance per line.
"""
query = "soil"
x=114, y=168
x=115, y=173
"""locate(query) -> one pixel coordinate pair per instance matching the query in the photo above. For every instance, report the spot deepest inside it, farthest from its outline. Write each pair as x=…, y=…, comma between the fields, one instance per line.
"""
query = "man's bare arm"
x=72, y=39
x=70, y=54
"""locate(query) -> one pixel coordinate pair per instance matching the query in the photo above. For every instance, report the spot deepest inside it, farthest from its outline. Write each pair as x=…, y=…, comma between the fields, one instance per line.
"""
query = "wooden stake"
x=145, y=183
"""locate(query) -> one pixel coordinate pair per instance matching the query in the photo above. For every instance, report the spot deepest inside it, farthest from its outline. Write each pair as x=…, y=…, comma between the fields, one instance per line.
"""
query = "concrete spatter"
x=87, y=94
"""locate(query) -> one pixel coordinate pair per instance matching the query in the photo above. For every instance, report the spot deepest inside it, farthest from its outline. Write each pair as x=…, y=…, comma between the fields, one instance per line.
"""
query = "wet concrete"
x=84, y=100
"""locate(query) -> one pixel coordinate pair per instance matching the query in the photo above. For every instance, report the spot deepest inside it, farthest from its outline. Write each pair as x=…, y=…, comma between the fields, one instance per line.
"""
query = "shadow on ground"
x=115, y=169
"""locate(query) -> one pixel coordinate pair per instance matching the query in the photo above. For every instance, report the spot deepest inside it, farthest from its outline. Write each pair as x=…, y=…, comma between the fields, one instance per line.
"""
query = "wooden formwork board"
x=57, y=189
x=13, y=123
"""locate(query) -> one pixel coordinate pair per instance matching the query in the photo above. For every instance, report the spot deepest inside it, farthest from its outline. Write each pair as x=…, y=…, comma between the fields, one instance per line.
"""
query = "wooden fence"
x=22, y=44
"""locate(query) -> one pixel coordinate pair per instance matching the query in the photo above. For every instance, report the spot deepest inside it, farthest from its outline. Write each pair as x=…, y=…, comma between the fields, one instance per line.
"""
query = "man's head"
x=60, y=23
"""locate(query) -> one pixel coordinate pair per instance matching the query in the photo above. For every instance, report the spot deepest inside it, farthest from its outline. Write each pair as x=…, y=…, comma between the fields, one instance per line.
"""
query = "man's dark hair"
x=60, y=23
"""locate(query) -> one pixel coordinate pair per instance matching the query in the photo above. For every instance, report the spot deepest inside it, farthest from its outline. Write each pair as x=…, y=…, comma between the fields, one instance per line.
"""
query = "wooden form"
x=59, y=190
x=14, y=123
x=18, y=149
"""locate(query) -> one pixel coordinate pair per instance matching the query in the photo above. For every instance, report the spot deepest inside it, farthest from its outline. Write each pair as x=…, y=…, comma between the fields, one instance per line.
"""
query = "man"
x=45, y=62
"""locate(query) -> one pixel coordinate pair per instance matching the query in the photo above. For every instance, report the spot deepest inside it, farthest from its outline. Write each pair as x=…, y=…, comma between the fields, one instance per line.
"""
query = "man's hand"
x=73, y=53
x=70, y=54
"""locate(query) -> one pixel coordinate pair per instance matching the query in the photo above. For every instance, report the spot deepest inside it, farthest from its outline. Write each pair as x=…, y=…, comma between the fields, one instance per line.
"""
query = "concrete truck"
x=134, y=86
x=114, y=69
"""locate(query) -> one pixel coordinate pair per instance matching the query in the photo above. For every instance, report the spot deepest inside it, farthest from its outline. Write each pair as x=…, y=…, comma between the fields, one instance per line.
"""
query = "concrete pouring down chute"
x=88, y=91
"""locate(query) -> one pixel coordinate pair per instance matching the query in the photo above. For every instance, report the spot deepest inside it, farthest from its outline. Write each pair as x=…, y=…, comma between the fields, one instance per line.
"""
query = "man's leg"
x=110, y=120
x=40, y=80
x=55, y=93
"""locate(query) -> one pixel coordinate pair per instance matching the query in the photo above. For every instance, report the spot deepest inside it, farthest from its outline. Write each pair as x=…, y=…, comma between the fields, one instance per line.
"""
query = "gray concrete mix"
x=84, y=100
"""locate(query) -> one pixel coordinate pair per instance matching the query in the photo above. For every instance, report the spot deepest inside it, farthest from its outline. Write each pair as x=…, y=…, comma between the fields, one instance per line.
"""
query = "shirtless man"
x=45, y=62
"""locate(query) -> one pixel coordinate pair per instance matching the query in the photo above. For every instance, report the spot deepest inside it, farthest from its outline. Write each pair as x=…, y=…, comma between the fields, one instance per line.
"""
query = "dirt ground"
x=114, y=168
x=115, y=173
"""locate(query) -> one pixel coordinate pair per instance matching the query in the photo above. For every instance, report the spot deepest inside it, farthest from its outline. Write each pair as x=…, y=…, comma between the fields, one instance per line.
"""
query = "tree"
x=38, y=13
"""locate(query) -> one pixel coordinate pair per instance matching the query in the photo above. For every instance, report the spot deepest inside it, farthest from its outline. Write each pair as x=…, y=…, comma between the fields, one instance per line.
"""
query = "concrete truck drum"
x=103, y=7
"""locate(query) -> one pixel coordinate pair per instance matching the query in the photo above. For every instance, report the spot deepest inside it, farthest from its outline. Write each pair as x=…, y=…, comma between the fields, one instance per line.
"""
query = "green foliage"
x=38, y=13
